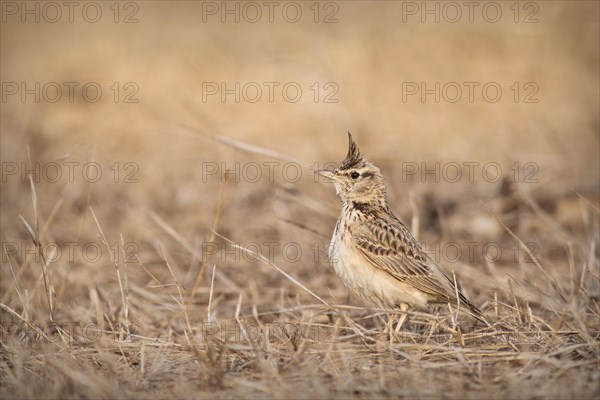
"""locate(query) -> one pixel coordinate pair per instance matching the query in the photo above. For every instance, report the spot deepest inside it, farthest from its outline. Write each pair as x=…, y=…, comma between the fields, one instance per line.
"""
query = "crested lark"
x=374, y=252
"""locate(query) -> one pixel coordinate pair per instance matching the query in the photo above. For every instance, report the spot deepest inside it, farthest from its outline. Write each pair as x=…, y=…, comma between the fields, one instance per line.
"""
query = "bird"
x=374, y=253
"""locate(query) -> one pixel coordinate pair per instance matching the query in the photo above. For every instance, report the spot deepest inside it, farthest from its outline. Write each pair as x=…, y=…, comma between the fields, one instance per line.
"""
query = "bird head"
x=356, y=179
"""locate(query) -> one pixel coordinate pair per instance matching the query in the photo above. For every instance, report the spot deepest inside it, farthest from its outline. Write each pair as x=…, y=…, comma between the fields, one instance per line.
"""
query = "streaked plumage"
x=373, y=251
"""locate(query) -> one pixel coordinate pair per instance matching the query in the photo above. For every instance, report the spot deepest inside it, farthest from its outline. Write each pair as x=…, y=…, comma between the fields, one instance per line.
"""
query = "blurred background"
x=192, y=115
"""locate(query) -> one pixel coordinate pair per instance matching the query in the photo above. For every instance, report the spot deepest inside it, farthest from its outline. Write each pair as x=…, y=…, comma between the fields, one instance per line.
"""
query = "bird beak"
x=327, y=173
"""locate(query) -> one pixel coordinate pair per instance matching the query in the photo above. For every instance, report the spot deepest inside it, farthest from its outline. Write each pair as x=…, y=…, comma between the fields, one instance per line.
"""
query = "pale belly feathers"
x=370, y=283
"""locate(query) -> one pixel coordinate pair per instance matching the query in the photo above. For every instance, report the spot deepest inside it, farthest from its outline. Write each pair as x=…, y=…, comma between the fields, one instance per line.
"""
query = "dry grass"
x=185, y=284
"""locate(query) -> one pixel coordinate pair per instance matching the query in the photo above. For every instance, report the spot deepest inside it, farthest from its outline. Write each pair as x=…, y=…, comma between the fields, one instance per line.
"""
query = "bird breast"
x=372, y=284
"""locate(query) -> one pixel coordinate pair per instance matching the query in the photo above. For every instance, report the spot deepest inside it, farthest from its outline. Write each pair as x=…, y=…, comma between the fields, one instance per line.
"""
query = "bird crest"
x=353, y=158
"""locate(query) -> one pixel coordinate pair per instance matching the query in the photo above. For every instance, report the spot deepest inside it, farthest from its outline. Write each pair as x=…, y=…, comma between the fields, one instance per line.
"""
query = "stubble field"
x=164, y=235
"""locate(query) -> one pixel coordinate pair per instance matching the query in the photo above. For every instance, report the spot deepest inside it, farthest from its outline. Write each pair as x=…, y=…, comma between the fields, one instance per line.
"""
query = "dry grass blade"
x=44, y=263
x=532, y=256
x=171, y=231
x=33, y=193
x=274, y=266
x=210, y=294
x=126, y=282
x=32, y=326
x=257, y=150
x=586, y=201
x=124, y=298
x=181, y=301
x=17, y=286
x=215, y=224
x=455, y=318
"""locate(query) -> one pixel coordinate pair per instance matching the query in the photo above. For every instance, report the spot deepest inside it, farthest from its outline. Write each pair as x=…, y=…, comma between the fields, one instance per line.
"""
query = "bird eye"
x=354, y=175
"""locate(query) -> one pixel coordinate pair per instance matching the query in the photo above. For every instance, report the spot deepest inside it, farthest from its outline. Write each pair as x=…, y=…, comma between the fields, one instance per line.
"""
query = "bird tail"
x=476, y=313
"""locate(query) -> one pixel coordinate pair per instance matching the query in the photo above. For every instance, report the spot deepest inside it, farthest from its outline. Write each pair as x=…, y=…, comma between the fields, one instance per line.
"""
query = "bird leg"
x=400, y=321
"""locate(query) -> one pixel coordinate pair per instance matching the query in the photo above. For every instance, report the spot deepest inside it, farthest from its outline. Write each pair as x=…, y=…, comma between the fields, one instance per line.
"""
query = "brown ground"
x=139, y=291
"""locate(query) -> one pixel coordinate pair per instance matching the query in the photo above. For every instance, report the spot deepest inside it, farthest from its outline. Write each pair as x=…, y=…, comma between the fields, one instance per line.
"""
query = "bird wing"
x=390, y=247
